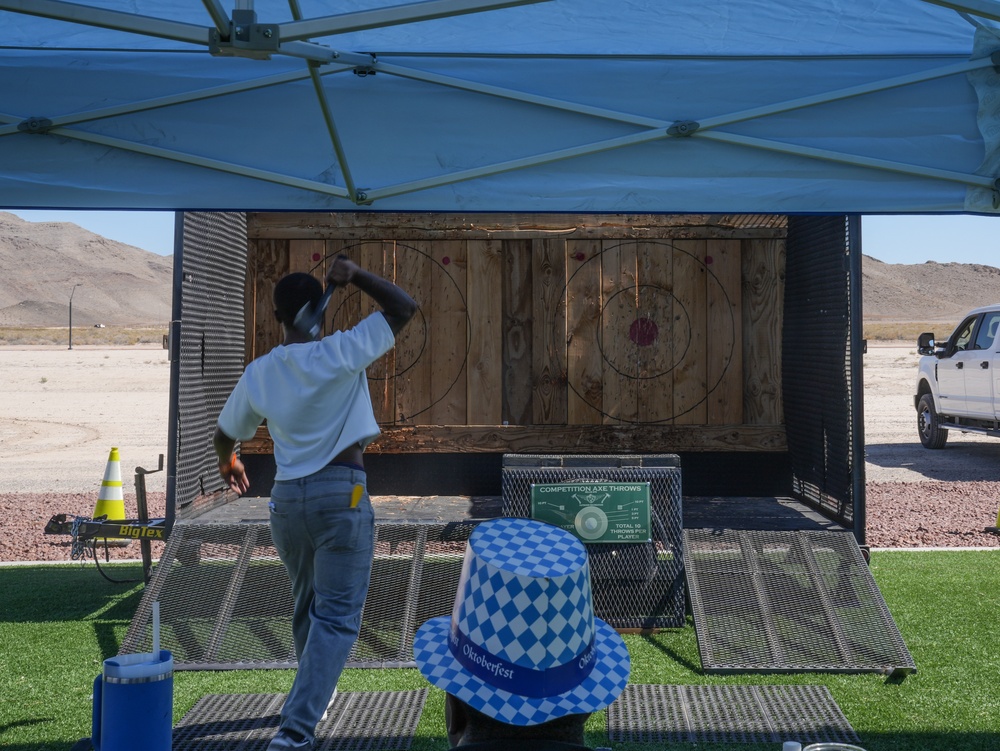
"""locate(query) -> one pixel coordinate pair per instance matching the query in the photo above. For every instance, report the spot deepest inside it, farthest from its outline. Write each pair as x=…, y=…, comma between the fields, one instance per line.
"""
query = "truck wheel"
x=932, y=435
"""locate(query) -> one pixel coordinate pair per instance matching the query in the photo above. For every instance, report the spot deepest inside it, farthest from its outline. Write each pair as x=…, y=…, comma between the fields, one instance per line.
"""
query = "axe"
x=309, y=321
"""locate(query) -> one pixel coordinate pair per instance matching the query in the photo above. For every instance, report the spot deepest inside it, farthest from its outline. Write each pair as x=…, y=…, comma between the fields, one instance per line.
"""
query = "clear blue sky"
x=893, y=239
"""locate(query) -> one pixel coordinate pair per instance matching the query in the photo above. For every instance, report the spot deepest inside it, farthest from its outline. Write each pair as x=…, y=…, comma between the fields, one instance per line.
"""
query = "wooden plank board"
x=375, y=257
x=690, y=376
x=414, y=366
x=620, y=307
x=548, y=276
x=308, y=257
x=517, y=342
x=484, y=383
x=269, y=263
x=725, y=333
x=652, y=332
x=582, y=439
x=377, y=225
x=448, y=331
x=584, y=364
x=763, y=292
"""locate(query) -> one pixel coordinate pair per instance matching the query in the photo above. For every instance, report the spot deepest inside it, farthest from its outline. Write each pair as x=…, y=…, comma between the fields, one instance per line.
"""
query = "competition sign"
x=598, y=512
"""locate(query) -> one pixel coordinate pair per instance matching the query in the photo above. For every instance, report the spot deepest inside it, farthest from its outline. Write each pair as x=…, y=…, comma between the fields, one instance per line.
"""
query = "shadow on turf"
x=62, y=593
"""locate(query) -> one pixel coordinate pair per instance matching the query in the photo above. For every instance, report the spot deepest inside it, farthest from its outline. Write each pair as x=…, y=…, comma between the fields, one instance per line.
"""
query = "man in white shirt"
x=314, y=396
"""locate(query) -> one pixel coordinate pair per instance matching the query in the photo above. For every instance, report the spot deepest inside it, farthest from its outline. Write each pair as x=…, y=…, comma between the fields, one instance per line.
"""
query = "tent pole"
x=885, y=165
x=981, y=8
x=331, y=127
x=852, y=91
x=110, y=19
x=392, y=16
x=199, y=161
x=167, y=101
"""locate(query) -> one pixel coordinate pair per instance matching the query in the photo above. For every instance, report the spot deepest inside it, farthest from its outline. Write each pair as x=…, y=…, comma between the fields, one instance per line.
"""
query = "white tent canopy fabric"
x=773, y=106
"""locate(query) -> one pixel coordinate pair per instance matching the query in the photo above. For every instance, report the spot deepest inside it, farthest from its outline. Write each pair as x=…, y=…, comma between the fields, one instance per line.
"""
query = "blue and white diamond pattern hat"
x=522, y=644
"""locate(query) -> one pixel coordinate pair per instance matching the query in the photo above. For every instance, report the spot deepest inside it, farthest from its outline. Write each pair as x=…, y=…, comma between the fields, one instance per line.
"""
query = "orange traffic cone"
x=110, y=501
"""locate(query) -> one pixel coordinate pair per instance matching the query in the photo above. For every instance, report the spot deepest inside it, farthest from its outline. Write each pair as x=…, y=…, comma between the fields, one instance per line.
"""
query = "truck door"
x=952, y=366
x=980, y=367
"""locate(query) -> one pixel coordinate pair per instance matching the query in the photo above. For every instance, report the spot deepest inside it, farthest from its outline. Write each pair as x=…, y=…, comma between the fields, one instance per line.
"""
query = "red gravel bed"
x=900, y=515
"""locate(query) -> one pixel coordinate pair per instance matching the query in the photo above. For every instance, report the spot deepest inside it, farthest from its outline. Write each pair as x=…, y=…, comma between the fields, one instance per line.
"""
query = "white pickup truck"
x=958, y=382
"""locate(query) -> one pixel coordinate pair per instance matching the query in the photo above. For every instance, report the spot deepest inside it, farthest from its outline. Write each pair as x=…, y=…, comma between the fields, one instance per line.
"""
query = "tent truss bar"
x=515, y=164
x=198, y=161
x=167, y=101
x=331, y=126
x=884, y=165
x=648, y=122
x=392, y=16
x=218, y=14
x=982, y=8
x=109, y=19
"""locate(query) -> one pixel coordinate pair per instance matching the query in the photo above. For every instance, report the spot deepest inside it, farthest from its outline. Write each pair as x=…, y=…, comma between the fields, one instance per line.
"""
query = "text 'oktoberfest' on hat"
x=522, y=644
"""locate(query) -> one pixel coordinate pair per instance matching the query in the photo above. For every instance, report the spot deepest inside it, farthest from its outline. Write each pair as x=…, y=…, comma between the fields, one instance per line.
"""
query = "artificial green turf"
x=57, y=624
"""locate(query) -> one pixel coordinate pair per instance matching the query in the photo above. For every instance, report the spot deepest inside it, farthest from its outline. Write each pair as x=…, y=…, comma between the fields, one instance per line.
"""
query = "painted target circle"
x=590, y=523
x=410, y=357
x=650, y=326
x=658, y=341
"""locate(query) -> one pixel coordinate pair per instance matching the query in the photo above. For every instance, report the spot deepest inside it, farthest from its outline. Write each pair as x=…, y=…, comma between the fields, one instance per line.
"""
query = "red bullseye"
x=643, y=332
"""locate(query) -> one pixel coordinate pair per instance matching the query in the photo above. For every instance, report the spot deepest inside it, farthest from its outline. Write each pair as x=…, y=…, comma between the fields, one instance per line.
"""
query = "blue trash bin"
x=134, y=703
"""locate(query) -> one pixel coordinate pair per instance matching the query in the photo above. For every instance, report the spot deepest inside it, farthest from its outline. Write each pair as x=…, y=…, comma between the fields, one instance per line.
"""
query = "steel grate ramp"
x=727, y=714
x=226, y=602
x=372, y=721
x=788, y=601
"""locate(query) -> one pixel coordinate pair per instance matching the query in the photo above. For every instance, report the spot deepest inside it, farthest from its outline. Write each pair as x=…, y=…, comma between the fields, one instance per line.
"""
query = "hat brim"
x=601, y=687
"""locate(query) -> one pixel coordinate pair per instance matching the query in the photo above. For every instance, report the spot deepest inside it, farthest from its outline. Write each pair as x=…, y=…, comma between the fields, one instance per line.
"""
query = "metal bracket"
x=363, y=71
x=361, y=198
x=683, y=128
x=35, y=125
x=247, y=38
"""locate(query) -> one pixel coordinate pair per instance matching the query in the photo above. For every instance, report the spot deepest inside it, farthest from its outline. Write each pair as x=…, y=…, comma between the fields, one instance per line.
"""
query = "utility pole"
x=72, y=292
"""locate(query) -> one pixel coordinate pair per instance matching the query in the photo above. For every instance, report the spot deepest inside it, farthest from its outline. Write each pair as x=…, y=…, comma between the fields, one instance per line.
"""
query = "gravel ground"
x=62, y=411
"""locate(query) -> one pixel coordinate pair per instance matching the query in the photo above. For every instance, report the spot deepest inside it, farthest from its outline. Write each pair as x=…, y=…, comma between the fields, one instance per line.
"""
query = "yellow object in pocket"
x=356, y=493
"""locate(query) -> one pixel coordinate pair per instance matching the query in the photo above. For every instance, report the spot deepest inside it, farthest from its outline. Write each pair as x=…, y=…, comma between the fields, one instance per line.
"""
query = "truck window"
x=963, y=335
x=988, y=331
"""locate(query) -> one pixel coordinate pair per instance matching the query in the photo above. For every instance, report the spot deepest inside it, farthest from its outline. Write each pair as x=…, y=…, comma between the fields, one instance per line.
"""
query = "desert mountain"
x=40, y=262
x=123, y=285
x=926, y=292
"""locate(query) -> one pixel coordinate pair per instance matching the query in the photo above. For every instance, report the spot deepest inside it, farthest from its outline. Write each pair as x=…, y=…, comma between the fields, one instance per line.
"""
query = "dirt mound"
x=928, y=291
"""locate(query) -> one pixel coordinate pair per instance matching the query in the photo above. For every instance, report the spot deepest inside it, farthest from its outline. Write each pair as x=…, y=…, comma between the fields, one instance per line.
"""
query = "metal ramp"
x=788, y=601
x=226, y=602
x=373, y=721
x=727, y=714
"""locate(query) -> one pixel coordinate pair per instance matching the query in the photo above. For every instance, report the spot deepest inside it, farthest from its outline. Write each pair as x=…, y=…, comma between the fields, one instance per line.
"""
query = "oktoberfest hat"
x=522, y=644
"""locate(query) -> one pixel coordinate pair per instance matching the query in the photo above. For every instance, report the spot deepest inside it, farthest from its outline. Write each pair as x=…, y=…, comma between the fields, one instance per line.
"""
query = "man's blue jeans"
x=326, y=547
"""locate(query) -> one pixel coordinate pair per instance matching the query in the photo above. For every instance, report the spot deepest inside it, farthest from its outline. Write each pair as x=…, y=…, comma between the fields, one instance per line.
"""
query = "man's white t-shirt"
x=314, y=396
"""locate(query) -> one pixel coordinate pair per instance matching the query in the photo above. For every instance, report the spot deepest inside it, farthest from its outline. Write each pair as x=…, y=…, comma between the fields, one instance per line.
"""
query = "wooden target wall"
x=553, y=333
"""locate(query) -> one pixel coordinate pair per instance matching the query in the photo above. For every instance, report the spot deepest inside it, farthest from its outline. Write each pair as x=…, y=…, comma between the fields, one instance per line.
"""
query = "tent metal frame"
x=243, y=36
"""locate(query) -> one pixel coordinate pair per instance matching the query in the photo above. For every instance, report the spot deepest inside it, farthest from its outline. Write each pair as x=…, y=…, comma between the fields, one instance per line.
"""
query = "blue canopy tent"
x=813, y=106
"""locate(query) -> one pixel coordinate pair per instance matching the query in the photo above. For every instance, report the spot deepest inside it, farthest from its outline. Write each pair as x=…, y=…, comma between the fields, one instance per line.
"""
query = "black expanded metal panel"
x=816, y=335
x=376, y=721
x=727, y=714
x=636, y=585
x=213, y=260
x=226, y=602
x=788, y=601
